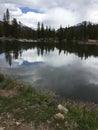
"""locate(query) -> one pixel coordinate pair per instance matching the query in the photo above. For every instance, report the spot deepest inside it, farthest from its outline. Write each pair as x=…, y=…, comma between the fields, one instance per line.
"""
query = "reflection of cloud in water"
x=25, y=74
x=66, y=74
x=57, y=60
x=53, y=58
x=91, y=66
x=69, y=82
x=92, y=62
x=3, y=63
x=30, y=56
x=2, y=56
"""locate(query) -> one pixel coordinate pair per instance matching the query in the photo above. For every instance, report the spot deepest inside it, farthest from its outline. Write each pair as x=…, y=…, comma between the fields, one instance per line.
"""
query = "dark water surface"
x=70, y=70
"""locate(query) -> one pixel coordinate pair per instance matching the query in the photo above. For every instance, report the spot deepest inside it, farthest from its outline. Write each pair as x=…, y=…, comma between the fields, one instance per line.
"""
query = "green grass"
x=1, y=78
x=85, y=118
x=28, y=105
x=31, y=105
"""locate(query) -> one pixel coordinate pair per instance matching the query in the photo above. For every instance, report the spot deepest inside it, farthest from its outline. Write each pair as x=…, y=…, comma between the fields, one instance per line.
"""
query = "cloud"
x=13, y=9
x=60, y=16
x=31, y=19
x=52, y=12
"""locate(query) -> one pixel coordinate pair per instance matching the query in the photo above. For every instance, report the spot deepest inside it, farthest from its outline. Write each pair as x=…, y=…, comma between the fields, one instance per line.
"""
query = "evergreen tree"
x=42, y=31
x=7, y=15
x=38, y=30
x=4, y=18
x=60, y=33
x=1, y=29
x=6, y=26
x=14, y=28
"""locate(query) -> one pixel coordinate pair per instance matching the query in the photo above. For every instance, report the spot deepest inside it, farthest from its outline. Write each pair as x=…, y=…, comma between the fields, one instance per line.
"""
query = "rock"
x=75, y=124
x=49, y=122
x=2, y=128
x=62, y=108
x=8, y=115
x=59, y=116
x=57, y=125
x=18, y=123
x=66, y=124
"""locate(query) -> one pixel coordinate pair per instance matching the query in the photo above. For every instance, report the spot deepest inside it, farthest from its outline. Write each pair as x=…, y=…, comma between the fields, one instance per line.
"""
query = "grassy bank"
x=22, y=107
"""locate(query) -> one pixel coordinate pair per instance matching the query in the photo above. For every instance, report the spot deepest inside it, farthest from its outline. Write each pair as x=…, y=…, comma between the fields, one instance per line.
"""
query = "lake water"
x=69, y=70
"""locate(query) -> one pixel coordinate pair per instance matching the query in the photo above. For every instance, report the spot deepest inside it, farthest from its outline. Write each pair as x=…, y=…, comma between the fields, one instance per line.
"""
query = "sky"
x=51, y=12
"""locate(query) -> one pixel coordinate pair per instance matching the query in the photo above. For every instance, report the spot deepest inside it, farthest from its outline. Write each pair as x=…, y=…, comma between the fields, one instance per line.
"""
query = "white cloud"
x=55, y=12
x=31, y=18
x=60, y=16
x=13, y=9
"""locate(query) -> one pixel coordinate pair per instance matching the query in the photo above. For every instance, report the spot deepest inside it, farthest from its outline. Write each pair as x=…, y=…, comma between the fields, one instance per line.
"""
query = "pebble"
x=18, y=123
x=48, y=121
x=2, y=128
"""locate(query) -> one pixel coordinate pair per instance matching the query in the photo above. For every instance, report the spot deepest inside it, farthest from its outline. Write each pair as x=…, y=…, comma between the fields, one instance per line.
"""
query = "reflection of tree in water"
x=8, y=58
x=11, y=50
x=14, y=49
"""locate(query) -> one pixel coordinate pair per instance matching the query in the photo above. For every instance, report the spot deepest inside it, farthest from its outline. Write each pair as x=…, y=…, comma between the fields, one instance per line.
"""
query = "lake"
x=67, y=69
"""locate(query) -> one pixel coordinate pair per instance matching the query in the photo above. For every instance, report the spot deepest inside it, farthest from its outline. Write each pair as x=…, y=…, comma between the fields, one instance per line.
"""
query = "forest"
x=80, y=32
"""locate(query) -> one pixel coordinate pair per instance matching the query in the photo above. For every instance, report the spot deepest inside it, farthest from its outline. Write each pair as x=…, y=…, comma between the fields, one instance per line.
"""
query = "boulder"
x=62, y=108
x=59, y=116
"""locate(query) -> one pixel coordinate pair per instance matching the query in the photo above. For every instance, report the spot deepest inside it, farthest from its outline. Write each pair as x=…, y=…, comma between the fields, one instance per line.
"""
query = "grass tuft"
x=2, y=78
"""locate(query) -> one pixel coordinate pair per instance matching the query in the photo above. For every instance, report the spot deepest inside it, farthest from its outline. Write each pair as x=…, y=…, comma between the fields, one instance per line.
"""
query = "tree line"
x=82, y=31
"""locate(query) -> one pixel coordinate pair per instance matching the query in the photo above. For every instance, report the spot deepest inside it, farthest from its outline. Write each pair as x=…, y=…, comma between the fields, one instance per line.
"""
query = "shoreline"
x=23, y=105
x=87, y=42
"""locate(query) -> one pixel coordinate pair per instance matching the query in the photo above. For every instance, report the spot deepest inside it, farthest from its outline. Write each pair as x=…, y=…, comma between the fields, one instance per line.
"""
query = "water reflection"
x=70, y=70
x=14, y=49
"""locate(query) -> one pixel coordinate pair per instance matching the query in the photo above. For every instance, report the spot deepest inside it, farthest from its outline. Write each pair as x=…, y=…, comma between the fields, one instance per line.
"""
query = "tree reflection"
x=14, y=49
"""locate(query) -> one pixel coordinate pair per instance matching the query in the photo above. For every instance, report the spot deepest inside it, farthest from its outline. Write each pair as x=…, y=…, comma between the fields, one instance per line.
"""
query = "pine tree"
x=14, y=28
x=7, y=15
x=38, y=30
x=6, y=26
x=42, y=30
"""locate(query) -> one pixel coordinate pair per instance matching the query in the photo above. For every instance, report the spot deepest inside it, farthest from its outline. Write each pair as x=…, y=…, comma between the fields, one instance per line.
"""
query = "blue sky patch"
x=26, y=9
